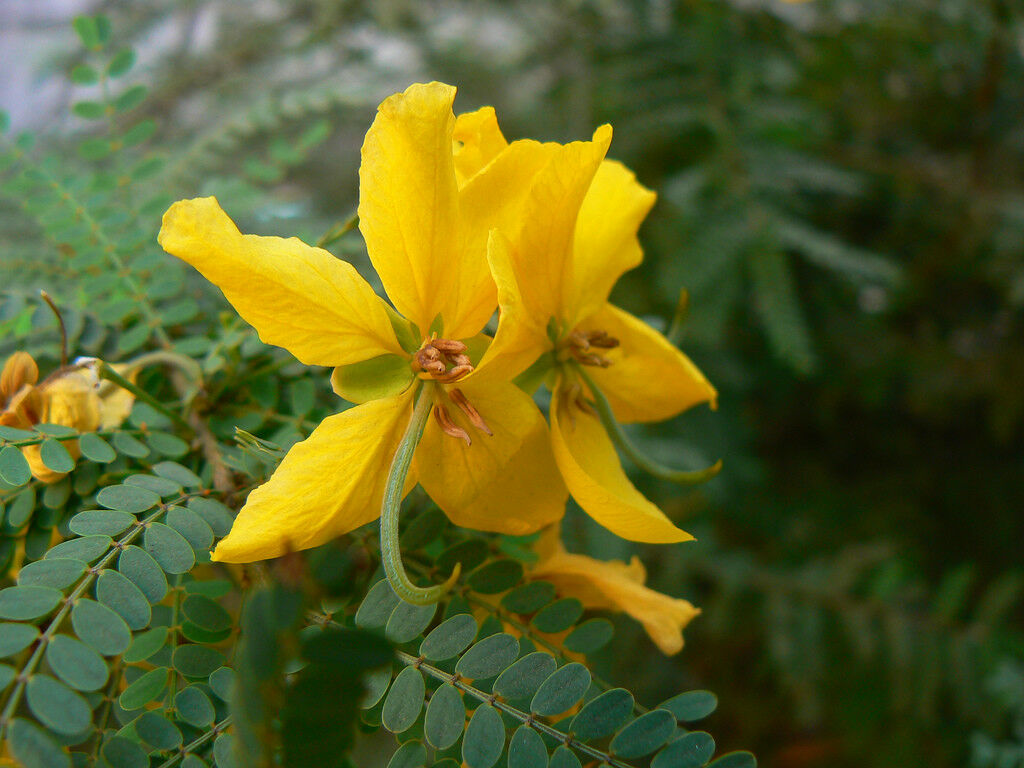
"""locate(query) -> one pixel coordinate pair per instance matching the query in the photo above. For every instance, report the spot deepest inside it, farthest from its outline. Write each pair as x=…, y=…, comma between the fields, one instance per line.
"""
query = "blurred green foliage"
x=841, y=191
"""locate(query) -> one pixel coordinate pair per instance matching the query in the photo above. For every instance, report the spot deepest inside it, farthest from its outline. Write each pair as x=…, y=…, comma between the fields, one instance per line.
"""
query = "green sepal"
x=373, y=379
x=555, y=330
x=406, y=332
x=436, y=326
x=530, y=380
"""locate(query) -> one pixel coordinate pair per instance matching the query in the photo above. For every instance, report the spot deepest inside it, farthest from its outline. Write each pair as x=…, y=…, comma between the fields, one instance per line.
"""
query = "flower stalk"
x=391, y=554
x=604, y=412
x=677, y=326
x=105, y=371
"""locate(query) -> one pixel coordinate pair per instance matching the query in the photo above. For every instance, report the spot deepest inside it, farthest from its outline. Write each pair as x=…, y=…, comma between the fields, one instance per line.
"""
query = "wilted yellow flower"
x=485, y=457
x=72, y=396
x=578, y=234
x=616, y=586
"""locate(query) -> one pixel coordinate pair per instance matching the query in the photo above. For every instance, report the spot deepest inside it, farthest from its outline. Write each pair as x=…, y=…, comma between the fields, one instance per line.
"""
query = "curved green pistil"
x=391, y=553
x=614, y=429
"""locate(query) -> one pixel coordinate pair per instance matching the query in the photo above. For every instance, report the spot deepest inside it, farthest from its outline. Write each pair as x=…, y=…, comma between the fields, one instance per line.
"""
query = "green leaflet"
x=644, y=735
x=524, y=677
x=449, y=638
x=404, y=701
x=446, y=717
x=690, y=751
x=691, y=706
x=562, y=690
x=526, y=749
x=485, y=738
x=488, y=657
x=603, y=715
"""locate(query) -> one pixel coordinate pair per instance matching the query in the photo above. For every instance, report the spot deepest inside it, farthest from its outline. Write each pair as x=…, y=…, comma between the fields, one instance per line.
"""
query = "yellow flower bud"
x=19, y=370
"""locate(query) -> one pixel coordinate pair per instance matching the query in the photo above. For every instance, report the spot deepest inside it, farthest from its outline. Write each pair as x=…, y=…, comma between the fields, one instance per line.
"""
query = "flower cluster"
x=72, y=396
x=459, y=223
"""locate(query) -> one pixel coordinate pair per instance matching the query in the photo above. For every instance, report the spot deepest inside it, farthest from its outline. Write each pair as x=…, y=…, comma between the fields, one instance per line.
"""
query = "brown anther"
x=583, y=345
x=449, y=346
x=471, y=413
x=455, y=373
x=602, y=340
x=435, y=357
x=584, y=405
x=595, y=360
x=434, y=367
x=575, y=397
x=579, y=340
x=449, y=427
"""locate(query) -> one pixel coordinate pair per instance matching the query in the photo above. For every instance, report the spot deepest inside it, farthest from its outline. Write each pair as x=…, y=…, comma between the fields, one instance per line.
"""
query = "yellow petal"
x=19, y=370
x=495, y=198
x=478, y=140
x=617, y=586
x=71, y=398
x=329, y=484
x=521, y=338
x=296, y=296
x=594, y=476
x=409, y=210
x=606, y=243
x=115, y=402
x=544, y=246
x=649, y=379
x=21, y=410
x=506, y=482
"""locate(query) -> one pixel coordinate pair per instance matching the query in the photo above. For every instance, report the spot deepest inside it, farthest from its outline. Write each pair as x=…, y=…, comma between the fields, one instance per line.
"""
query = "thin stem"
x=677, y=327
x=192, y=746
x=63, y=329
x=109, y=696
x=614, y=429
x=526, y=718
x=175, y=631
x=105, y=371
x=391, y=553
x=186, y=365
x=336, y=231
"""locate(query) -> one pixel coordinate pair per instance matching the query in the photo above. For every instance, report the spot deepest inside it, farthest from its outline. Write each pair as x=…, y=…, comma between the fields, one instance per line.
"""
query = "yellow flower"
x=554, y=275
x=616, y=586
x=72, y=396
x=485, y=457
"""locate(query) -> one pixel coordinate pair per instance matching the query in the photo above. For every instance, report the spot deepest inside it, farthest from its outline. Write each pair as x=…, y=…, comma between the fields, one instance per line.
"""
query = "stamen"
x=581, y=345
x=454, y=374
x=443, y=360
x=579, y=340
x=583, y=404
x=435, y=368
x=597, y=360
x=467, y=408
x=449, y=346
x=449, y=427
x=603, y=340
